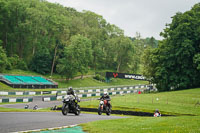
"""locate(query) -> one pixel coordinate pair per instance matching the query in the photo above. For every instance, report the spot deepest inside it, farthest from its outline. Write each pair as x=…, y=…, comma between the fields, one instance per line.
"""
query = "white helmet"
x=105, y=93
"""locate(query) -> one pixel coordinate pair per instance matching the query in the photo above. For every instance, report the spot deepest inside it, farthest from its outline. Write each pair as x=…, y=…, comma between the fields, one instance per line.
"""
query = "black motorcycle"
x=70, y=105
x=103, y=107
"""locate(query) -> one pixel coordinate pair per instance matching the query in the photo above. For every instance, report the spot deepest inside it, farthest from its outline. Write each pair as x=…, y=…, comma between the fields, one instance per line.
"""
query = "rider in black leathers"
x=70, y=91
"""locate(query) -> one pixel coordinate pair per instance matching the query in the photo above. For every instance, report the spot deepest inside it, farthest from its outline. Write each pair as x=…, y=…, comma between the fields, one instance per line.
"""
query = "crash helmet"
x=70, y=89
x=105, y=93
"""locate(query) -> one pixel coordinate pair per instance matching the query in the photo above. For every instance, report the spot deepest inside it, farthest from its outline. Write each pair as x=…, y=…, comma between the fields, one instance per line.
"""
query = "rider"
x=70, y=91
x=106, y=97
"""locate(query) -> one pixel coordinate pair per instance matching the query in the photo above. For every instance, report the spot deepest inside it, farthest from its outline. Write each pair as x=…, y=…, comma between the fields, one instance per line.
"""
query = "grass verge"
x=184, y=124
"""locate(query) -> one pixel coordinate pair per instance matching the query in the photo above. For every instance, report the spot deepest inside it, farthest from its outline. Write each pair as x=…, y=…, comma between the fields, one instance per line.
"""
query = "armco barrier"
x=53, y=98
x=77, y=91
x=14, y=100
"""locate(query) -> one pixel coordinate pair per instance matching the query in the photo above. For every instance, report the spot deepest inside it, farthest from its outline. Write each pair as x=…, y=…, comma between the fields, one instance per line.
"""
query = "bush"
x=99, y=77
x=15, y=62
x=3, y=59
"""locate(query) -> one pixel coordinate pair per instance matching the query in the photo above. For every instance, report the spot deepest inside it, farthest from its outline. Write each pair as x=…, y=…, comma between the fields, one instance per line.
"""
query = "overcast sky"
x=148, y=17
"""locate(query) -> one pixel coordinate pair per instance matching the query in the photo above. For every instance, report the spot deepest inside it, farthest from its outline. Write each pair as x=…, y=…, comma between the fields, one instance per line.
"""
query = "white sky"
x=148, y=17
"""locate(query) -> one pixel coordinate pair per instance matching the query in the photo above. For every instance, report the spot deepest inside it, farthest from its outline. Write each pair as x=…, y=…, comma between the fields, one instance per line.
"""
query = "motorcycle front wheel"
x=108, y=111
x=65, y=109
x=99, y=111
x=77, y=110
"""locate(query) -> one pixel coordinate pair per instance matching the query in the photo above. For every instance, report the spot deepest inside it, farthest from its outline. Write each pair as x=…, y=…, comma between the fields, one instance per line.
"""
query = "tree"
x=175, y=61
x=77, y=57
x=120, y=52
x=3, y=59
x=41, y=61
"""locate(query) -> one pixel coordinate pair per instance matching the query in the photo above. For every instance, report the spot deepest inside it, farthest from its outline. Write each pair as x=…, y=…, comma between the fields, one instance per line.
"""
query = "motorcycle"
x=103, y=107
x=70, y=105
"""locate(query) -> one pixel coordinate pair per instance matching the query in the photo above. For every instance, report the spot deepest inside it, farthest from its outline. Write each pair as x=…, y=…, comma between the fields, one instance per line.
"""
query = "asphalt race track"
x=22, y=121
x=36, y=100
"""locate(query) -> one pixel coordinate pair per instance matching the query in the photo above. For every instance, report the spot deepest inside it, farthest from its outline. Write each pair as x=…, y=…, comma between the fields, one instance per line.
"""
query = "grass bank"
x=183, y=103
x=184, y=124
x=174, y=103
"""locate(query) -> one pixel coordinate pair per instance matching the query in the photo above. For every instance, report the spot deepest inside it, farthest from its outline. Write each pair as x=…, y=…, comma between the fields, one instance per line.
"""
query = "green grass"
x=181, y=103
x=184, y=124
x=175, y=103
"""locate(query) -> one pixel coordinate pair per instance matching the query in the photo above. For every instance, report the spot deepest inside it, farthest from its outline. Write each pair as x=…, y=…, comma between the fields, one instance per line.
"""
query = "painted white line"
x=89, y=91
x=89, y=95
x=114, y=93
x=59, y=97
x=12, y=100
x=118, y=89
x=53, y=128
x=32, y=93
x=80, y=95
x=47, y=99
x=98, y=94
x=53, y=92
x=3, y=93
x=125, y=88
x=112, y=89
x=98, y=90
x=25, y=100
x=19, y=93
x=63, y=92
x=81, y=91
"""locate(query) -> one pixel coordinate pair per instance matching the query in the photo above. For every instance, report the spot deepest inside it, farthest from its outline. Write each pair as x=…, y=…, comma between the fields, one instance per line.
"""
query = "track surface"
x=21, y=121
x=36, y=100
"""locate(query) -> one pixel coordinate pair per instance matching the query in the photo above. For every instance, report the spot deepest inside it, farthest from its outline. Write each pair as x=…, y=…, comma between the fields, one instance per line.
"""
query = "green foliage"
x=16, y=63
x=120, y=50
x=175, y=63
x=29, y=26
x=99, y=77
x=197, y=60
x=3, y=59
x=41, y=62
x=77, y=57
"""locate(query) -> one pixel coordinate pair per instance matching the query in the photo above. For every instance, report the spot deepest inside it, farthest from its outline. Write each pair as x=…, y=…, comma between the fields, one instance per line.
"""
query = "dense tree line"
x=49, y=38
x=175, y=64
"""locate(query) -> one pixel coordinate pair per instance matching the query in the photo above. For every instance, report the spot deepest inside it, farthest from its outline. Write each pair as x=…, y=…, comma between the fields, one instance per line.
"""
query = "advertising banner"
x=124, y=76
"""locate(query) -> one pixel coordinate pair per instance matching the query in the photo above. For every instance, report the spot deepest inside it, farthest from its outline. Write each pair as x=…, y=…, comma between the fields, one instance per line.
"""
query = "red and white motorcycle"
x=103, y=107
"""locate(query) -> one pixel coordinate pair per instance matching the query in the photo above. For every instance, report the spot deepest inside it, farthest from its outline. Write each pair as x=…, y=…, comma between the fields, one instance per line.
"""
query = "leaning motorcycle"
x=103, y=107
x=70, y=105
